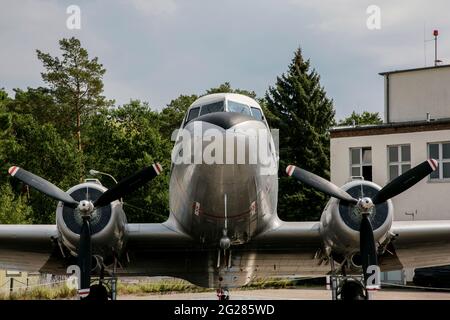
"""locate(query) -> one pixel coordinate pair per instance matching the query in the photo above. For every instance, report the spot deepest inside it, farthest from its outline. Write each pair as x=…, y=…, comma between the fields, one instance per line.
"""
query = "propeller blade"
x=319, y=183
x=42, y=185
x=128, y=185
x=405, y=181
x=85, y=257
x=367, y=245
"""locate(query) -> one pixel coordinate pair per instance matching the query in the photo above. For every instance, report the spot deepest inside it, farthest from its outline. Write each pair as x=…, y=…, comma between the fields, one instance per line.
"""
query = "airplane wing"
x=27, y=247
x=289, y=249
x=33, y=247
x=418, y=244
x=291, y=235
x=156, y=236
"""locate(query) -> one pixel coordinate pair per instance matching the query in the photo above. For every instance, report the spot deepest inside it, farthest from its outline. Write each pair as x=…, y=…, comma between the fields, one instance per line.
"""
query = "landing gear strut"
x=352, y=289
x=348, y=288
x=98, y=292
x=104, y=289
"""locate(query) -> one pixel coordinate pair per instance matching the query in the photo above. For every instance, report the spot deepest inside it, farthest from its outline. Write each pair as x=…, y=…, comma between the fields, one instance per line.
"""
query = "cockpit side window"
x=238, y=107
x=212, y=107
x=193, y=113
x=257, y=114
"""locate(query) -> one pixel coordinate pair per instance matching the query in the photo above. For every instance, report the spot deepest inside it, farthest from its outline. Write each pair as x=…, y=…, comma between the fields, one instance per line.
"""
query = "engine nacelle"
x=108, y=223
x=340, y=221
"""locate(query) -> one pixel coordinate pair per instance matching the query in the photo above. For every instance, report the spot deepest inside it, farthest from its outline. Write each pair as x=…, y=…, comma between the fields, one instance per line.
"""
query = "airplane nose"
x=224, y=138
x=225, y=120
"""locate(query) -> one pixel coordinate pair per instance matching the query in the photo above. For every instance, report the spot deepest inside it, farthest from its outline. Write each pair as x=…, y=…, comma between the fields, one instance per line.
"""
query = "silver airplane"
x=223, y=230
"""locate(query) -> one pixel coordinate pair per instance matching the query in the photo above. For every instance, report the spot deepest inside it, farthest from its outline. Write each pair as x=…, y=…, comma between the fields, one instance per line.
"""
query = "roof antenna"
x=435, y=34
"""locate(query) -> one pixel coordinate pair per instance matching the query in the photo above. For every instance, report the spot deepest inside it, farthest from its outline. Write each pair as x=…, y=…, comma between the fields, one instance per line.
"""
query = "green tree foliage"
x=75, y=81
x=361, y=119
x=3, y=99
x=41, y=104
x=122, y=141
x=5, y=118
x=226, y=88
x=13, y=209
x=172, y=115
x=41, y=150
x=303, y=113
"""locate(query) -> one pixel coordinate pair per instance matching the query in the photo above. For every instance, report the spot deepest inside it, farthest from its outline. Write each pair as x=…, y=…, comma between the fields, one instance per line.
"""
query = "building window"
x=399, y=160
x=440, y=152
x=361, y=162
x=13, y=273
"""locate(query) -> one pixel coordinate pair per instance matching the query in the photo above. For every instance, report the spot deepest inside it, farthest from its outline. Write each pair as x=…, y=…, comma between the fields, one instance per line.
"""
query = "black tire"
x=98, y=292
x=352, y=290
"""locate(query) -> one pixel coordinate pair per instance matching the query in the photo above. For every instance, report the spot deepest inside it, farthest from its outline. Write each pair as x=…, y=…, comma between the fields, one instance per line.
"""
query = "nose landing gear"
x=352, y=289
x=349, y=287
x=104, y=290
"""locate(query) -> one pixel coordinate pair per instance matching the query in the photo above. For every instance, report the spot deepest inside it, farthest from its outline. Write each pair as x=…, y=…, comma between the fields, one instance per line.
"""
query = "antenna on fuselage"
x=226, y=216
x=225, y=242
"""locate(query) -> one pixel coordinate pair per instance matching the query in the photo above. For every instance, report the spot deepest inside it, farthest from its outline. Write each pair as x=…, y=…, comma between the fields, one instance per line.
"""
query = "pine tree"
x=76, y=82
x=301, y=110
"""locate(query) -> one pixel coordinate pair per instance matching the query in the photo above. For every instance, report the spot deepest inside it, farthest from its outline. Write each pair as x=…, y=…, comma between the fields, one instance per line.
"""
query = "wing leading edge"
x=416, y=243
x=421, y=243
x=26, y=247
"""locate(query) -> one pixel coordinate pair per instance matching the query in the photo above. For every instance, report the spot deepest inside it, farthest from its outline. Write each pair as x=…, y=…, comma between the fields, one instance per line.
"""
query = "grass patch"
x=41, y=293
x=270, y=284
x=160, y=287
x=166, y=286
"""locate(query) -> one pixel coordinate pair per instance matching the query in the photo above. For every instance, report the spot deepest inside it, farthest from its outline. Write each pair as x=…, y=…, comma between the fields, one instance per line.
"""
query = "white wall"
x=430, y=199
x=412, y=94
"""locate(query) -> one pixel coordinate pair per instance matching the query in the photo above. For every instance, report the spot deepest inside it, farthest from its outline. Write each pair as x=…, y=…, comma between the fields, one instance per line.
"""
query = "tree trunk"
x=78, y=130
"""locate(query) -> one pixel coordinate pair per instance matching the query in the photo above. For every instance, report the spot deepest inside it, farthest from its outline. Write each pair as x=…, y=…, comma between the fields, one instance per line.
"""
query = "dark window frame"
x=188, y=119
x=362, y=165
x=441, y=161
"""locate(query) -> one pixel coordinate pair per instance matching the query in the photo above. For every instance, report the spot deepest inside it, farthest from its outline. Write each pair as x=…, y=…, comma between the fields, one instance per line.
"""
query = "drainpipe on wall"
x=387, y=98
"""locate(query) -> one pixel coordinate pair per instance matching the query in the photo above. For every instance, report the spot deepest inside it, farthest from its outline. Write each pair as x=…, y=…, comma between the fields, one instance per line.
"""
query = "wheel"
x=352, y=290
x=98, y=292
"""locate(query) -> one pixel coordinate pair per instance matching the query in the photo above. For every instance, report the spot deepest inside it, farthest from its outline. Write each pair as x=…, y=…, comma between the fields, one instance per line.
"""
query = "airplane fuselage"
x=240, y=198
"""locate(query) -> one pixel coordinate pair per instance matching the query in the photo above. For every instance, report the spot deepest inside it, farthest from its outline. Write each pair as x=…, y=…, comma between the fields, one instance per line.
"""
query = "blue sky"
x=155, y=50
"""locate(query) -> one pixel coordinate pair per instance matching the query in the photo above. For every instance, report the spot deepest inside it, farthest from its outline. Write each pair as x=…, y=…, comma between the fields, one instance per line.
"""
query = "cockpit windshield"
x=218, y=106
x=212, y=107
x=238, y=107
x=193, y=113
x=245, y=109
x=257, y=114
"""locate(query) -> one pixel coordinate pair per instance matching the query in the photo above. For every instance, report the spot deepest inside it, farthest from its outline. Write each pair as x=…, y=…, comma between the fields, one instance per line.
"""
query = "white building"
x=416, y=127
